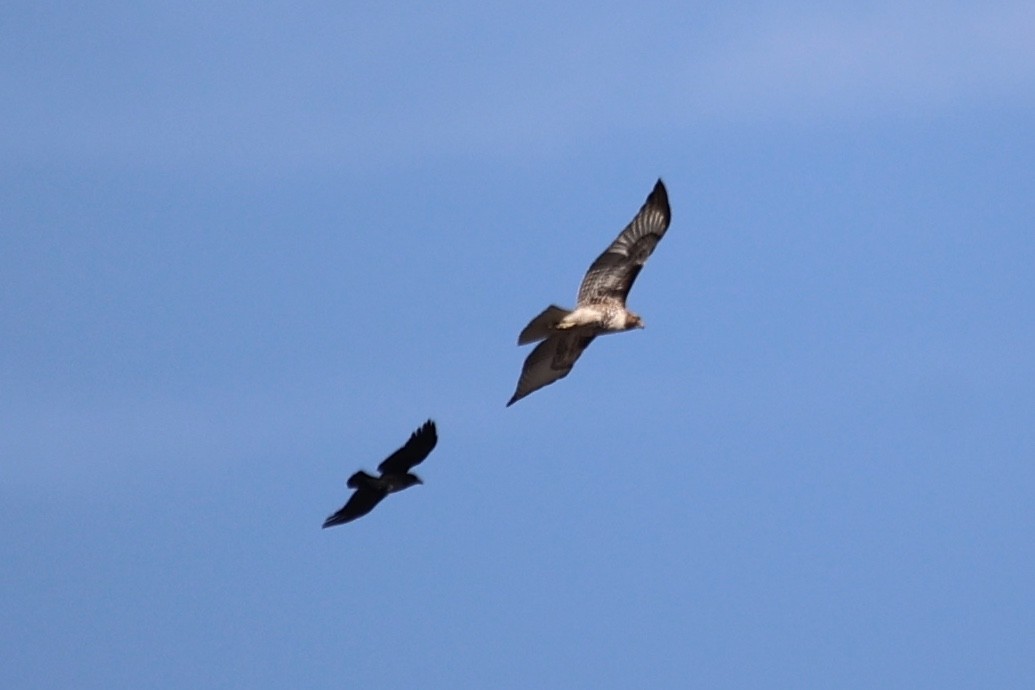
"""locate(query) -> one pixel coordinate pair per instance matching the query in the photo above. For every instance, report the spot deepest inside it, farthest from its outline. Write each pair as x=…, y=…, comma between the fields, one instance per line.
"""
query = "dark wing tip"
x=518, y=393
x=427, y=434
x=658, y=198
x=346, y=513
x=335, y=520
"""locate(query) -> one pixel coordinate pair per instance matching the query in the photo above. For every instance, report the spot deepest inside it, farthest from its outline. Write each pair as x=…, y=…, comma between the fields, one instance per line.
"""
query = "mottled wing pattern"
x=421, y=443
x=550, y=361
x=359, y=504
x=613, y=273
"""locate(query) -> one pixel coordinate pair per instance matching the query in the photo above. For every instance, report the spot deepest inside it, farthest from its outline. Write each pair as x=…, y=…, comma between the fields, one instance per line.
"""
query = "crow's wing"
x=421, y=442
x=359, y=504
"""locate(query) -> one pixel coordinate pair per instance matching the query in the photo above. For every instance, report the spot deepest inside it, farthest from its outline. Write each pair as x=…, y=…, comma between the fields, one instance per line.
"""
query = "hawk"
x=600, y=307
x=395, y=476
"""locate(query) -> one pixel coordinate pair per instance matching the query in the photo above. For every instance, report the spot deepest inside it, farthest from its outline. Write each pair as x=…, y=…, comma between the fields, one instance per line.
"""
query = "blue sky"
x=246, y=251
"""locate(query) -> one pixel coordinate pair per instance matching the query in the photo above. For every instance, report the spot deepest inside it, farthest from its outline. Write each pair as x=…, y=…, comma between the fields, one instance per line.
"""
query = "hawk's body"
x=600, y=307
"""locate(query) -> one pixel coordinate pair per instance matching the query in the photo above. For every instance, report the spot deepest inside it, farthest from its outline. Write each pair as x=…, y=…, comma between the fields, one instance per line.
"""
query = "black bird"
x=395, y=476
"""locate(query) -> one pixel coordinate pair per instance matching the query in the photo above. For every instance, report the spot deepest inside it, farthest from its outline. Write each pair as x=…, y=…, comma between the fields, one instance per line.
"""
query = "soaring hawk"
x=600, y=307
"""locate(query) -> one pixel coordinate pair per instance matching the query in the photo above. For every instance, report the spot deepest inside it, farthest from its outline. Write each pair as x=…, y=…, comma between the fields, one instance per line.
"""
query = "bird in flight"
x=395, y=476
x=600, y=307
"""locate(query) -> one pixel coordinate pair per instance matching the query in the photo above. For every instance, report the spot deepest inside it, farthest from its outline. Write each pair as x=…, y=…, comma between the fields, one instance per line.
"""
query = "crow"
x=395, y=476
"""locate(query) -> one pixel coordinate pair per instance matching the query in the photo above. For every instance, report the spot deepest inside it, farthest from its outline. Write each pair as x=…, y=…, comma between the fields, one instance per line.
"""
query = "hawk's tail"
x=542, y=326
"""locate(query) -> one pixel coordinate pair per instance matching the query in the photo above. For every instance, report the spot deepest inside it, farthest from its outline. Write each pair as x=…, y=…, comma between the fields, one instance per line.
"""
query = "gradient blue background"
x=247, y=249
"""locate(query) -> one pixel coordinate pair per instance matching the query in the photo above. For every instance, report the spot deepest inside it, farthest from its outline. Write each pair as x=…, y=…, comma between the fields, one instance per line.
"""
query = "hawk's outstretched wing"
x=422, y=441
x=550, y=361
x=612, y=274
x=359, y=504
